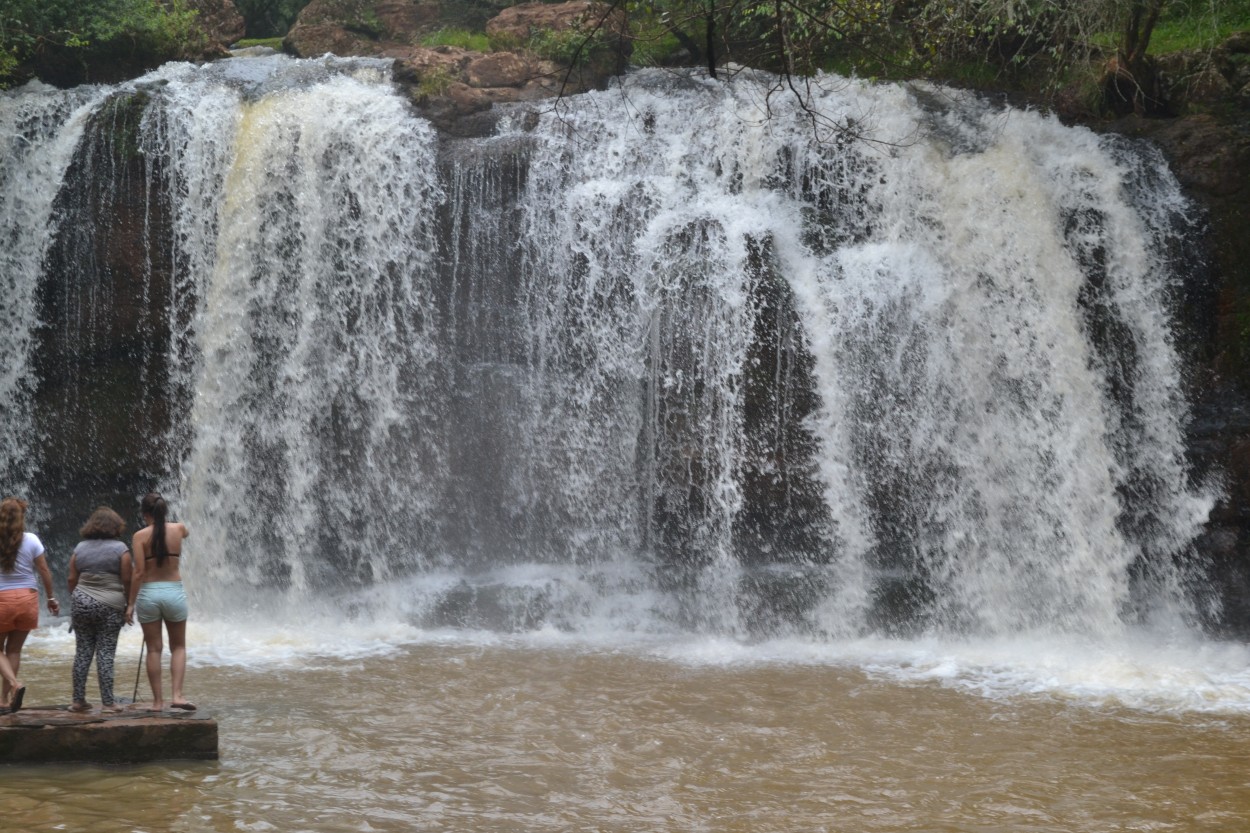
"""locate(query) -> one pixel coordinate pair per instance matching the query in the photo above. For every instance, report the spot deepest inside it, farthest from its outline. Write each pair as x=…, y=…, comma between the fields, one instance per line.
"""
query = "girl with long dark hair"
x=157, y=595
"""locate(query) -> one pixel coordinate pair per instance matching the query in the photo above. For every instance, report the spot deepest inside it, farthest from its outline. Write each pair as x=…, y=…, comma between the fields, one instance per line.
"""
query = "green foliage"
x=99, y=20
x=271, y=43
x=803, y=38
x=654, y=48
x=1199, y=24
x=792, y=36
x=567, y=47
x=462, y=38
x=1032, y=44
x=8, y=64
x=366, y=22
x=162, y=27
x=1040, y=38
x=434, y=82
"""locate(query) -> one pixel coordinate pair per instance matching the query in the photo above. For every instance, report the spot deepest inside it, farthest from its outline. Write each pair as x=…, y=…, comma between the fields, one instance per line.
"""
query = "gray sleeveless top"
x=100, y=570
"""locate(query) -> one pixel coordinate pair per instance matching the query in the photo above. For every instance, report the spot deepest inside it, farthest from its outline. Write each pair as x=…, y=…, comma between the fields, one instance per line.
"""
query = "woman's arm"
x=72, y=581
x=136, y=575
x=127, y=574
x=45, y=575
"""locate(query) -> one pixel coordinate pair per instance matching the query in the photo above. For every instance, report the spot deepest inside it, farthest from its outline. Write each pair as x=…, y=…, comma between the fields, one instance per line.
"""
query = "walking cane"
x=138, y=671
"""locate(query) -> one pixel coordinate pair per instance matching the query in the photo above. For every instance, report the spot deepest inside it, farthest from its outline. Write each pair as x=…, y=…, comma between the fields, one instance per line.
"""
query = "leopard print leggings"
x=96, y=626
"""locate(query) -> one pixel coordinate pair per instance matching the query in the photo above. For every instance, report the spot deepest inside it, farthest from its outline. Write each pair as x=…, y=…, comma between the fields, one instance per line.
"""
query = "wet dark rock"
x=100, y=406
x=1196, y=79
x=1210, y=156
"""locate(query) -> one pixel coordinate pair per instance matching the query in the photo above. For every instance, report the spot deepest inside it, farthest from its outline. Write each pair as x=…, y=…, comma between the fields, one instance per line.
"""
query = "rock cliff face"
x=1211, y=157
x=95, y=417
x=1218, y=76
x=1208, y=147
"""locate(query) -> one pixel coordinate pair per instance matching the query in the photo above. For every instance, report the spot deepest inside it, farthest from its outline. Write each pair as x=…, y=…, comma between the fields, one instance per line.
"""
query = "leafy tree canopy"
x=29, y=26
x=910, y=36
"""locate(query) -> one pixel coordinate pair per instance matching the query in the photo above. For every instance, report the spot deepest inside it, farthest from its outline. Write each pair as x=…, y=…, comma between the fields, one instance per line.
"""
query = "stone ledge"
x=53, y=734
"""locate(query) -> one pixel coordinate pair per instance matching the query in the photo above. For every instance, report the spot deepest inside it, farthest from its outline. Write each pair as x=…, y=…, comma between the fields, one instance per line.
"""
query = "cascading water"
x=651, y=360
x=40, y=131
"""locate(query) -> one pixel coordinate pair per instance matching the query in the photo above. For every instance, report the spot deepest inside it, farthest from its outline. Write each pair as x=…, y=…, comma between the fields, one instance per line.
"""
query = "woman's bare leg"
x=177, y=658
x=13, y=642
x=7, y=671
x=152, y=639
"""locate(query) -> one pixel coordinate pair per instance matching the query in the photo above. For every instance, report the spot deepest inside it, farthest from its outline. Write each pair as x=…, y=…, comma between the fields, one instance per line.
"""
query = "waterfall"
x=39, y=130
x=677, y=355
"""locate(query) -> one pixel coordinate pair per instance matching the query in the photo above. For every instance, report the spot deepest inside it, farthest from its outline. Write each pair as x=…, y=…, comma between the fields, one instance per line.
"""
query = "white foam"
x=1147, y=672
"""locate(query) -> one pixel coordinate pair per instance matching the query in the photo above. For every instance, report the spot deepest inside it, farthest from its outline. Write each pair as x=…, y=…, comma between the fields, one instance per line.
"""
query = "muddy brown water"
x=460, y=737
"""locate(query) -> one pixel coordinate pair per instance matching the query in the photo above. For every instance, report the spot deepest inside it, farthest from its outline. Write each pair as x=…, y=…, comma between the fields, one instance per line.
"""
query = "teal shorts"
x=161, y=600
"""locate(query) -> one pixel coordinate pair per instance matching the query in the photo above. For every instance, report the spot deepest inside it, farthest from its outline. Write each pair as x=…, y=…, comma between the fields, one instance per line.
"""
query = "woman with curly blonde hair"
x=21, y=557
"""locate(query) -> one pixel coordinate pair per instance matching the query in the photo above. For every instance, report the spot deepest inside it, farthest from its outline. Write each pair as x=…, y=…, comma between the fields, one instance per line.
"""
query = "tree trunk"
x=1131, y=80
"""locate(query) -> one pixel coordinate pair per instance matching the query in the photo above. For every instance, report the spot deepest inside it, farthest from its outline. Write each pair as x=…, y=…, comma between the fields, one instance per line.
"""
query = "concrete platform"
x=53, y=734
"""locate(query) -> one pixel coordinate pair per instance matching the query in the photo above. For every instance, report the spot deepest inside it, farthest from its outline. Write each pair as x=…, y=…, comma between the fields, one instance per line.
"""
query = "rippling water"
x=448, y=733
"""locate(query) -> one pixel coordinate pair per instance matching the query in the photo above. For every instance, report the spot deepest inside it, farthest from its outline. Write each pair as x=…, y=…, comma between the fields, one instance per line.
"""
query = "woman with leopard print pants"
x=99, y=585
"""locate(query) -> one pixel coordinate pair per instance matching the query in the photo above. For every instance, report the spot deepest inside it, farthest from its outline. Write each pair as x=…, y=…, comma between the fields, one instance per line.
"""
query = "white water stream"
x=555, y=382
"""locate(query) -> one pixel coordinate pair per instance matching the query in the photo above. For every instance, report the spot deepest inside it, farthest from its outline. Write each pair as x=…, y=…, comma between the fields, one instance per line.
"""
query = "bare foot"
x=185, y=705
x=157, y=707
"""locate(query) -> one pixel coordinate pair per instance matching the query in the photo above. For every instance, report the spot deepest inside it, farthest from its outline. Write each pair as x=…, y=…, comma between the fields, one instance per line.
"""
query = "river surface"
x=347, y=731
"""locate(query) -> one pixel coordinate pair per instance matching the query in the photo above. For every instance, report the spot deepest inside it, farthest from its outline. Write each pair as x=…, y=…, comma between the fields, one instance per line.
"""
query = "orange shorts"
x=19, y=610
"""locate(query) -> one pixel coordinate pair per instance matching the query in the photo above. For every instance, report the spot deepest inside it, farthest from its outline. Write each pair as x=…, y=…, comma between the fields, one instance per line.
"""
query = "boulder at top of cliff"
x=220, y=22
x=586, y=16
x=416, y=62
x=361, y=27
